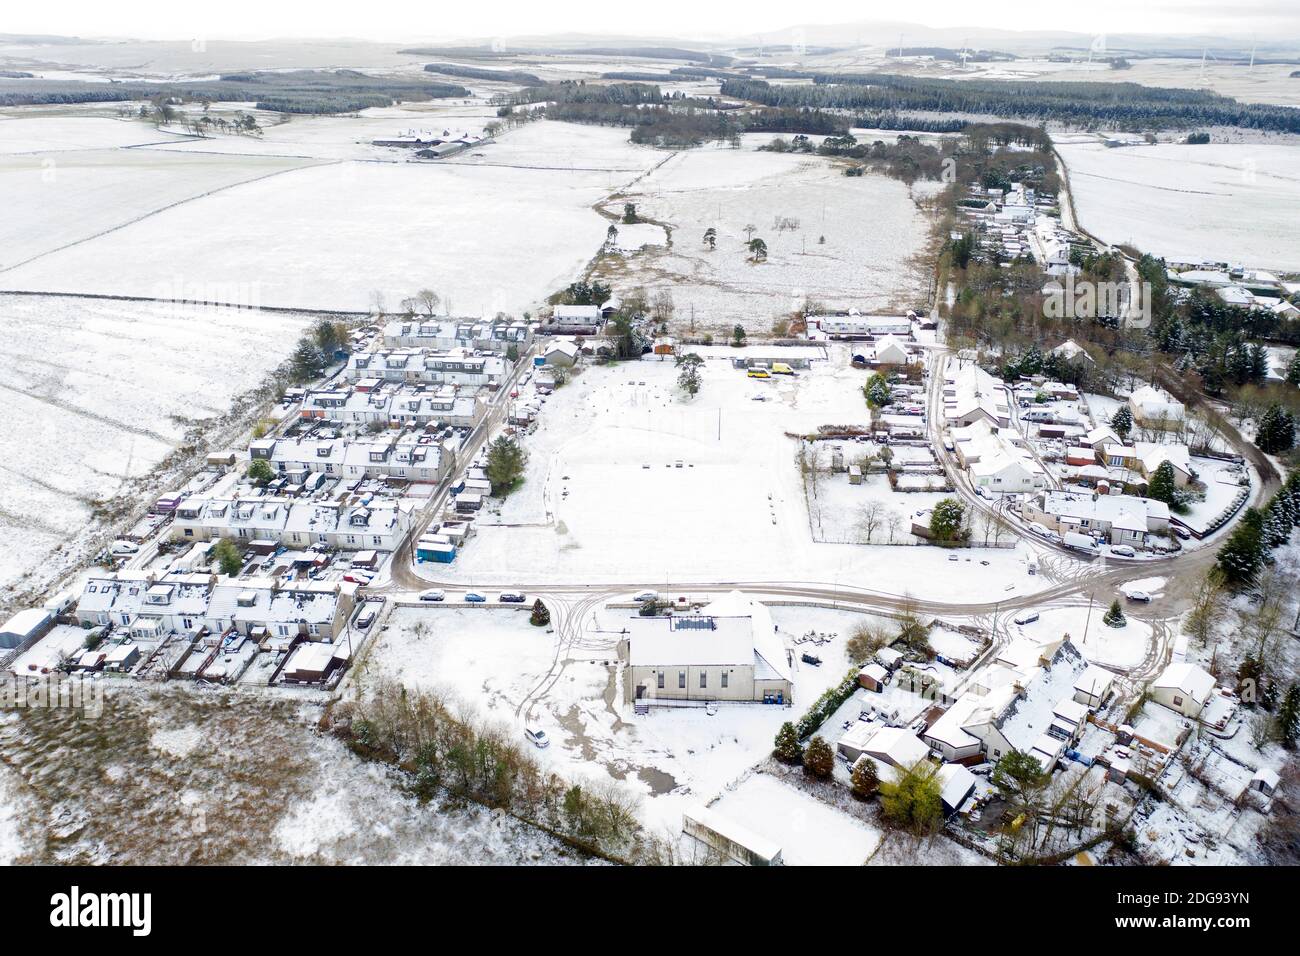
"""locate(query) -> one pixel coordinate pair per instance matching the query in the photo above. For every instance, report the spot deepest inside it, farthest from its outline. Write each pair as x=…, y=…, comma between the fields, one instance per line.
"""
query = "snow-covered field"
x=488, y=237
x=97, y=393
x=603, y=501
x=1225, y=202
x=1115, y=646
x=871, y=228
x=55, y=198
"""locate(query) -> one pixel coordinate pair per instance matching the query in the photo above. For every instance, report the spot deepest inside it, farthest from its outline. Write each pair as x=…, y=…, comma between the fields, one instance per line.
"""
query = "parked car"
x=124, y=547
x=511, y=597
x=537, y=737
x=1026, y=617
x=433, y=594
x=1182, y=533
x=645, y=596
x=1140, y=596
x=359, y=577
x=365, y=618
x=812, y=659
x=1122, y=551
x=474, y=597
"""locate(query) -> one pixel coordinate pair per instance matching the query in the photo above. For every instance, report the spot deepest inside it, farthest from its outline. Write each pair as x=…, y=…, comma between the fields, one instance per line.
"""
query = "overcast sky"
x=406, y=20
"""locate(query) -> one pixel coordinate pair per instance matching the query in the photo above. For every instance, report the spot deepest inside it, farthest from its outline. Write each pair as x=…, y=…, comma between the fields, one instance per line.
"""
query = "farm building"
x=730, y=838
x=24, y=626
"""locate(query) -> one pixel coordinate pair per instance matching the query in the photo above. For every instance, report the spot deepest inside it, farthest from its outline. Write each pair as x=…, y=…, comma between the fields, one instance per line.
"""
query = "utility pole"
x=1087, y=620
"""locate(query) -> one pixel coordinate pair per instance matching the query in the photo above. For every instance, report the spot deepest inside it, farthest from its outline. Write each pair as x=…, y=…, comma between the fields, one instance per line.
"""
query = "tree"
x=540, y=616
x=864, y=642
x=757, y=249
x=1207, y=608
x=1276, y=432
x=629, y=213
x=711, y=238
x=428, y=300
x=913, y=801
x=228, y=558
x=1163, y=485
x=870, y=515
x=864, y=781
x=260, y=470
x=308, y=360
x=818, y=759
x=506, y=460
x=329, y=336
x=1242, y=555
x=946, y=519
x=1293, y=371
x=787, y=748
x=877, y=391
x=688, y=372
x=1122, y=421
x=738, y=336
x=1114, y=616
x=1021, y=780
x=1288, y=717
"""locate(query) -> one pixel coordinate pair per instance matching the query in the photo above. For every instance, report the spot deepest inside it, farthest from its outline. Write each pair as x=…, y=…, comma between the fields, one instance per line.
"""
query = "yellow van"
x=780, y=368
x=758, y=372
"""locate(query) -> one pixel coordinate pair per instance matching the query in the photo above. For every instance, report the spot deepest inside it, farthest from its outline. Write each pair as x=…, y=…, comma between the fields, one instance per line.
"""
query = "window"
x=724, y=680
x=704, y=680
x=661, y=680
x=681, y=680
x=1178, y=701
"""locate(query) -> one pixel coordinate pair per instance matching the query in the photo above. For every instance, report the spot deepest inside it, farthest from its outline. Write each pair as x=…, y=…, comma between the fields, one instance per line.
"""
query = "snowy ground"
x=1115, y=646
x=98, y=393
x=1228, y=202
x=489, y=236
x=603, y=500
x=511, y=672
x=871, y=226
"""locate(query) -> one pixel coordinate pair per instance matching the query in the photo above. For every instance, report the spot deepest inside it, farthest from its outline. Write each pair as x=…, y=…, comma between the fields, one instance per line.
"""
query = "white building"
x=1154, y=408
x=1183, y=687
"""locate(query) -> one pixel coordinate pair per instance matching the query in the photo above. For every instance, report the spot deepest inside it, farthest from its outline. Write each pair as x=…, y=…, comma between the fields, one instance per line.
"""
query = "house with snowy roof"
x=1183, y=687
x=1153, y=408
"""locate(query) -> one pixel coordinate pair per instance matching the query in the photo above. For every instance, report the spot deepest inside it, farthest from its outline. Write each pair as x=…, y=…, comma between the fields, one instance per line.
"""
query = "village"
x=366, y=518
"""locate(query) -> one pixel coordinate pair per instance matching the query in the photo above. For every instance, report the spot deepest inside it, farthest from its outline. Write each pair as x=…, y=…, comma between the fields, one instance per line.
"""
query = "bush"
x=1114, y=617
x=826, y=705
x=818, y=759
x=865, y=780
x=540, y=616
x=787, y=749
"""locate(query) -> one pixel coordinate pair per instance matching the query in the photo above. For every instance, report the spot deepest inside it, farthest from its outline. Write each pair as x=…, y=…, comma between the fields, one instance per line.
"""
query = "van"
x=758, y=372
x=124, y=547
x=780, y=368
x=1026, y=617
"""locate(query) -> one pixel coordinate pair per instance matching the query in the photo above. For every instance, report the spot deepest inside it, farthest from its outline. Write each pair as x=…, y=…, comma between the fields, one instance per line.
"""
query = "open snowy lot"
x=97, y=394
x=491, y=238
x=603, y=500
x=845, y=241
x=1121, y=647
x=1216, y=202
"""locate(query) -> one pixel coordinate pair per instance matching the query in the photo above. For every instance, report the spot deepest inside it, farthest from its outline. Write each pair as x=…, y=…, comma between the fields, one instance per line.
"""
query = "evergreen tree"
x=1114, y=617
x=1288, y=717
x=787, y=748
x=1163, y=485
x=1276, y=431
x=308, y=360
x=946, y=519
x=865, y=780
x=540, y=616
x=505, y=464
x=818, y=758
x=1242, y=555
x=1293, y=370
x=877, y=391
x=688, y=374
x=1122, y=421
x=228, y=558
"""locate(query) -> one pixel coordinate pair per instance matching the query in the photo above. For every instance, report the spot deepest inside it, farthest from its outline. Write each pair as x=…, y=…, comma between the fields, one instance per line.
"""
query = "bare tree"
x=870, y=516
x=428, y=300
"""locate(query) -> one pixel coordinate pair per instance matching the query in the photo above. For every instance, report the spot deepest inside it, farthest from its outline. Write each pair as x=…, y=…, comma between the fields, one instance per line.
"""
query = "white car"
x=433, y=594
x=645, y=596
x=537, y=737
x=1140, y=596
x=1123, y=551
x=124, y=547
